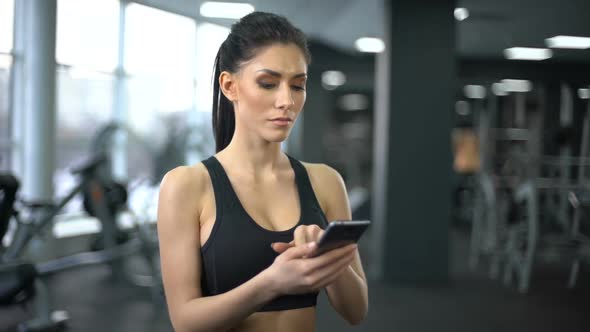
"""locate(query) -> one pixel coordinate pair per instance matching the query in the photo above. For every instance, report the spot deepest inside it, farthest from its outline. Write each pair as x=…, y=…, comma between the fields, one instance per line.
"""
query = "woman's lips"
x=281, y=121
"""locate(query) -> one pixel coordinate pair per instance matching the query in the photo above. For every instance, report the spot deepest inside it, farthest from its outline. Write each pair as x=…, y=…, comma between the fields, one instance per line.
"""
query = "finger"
x=300, y=235
x=299, y=251
x=331, y=256
x=281, y=247
x=315, y=233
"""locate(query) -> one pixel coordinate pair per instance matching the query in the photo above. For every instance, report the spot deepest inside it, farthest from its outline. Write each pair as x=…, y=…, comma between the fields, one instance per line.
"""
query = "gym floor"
x=469, y=302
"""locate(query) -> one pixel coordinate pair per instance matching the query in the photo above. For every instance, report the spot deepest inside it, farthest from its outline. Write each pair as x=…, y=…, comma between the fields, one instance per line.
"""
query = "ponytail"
x=224, y=121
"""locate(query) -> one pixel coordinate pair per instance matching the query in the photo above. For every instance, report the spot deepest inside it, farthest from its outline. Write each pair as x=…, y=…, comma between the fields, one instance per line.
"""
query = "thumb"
x=301, y=251
x=281, y=247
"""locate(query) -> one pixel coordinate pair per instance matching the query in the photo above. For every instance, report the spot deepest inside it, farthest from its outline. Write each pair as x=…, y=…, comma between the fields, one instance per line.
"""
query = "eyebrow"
x=277, y=74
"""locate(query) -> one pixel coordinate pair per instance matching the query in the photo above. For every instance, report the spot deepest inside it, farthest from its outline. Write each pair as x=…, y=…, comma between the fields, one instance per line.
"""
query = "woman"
x=235, y=230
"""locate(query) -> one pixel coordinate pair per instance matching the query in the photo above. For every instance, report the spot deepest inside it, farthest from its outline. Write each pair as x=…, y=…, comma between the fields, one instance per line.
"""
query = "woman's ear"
x=227, y=84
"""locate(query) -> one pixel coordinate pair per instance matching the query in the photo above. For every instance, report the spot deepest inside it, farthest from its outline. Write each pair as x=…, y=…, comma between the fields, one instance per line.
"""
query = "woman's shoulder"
x=325, y=181
x=328, y=186
x=321, y=173
x=184, y=181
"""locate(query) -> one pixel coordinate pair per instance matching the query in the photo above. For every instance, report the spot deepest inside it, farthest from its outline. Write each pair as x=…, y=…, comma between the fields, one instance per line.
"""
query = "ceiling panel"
x=491, y=27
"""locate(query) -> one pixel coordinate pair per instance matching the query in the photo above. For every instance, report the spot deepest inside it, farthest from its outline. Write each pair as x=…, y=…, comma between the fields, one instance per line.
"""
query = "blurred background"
x=461, y=129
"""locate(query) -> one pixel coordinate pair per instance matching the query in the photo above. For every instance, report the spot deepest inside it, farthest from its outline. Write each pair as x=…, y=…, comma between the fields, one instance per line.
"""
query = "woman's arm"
x=348, y=294
x=179, y=236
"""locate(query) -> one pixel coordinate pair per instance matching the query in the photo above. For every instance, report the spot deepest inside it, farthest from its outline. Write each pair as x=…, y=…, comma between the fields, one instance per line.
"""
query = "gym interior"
x=461, y=130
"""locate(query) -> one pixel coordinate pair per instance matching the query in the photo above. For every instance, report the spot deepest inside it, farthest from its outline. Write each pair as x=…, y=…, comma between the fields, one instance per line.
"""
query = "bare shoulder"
x=323, y=175
x=329, y=188
x=185, y=185
x=186, y=177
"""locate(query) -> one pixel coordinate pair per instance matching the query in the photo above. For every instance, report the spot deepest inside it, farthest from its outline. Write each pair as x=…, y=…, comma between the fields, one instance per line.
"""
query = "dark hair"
x=251, y=33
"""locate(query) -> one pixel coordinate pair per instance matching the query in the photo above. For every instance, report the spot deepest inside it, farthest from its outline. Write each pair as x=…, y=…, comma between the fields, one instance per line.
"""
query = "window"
x=160, y=67
x=6, y=25
x=209, y=38
x=6, y=36
x=160, y=61
x=85, y=101
x=87, y=34
x=86, y=53
x=5, y=119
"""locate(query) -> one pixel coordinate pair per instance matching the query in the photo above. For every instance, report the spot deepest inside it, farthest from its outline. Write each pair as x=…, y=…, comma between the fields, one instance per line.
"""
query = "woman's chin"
x=277, y=138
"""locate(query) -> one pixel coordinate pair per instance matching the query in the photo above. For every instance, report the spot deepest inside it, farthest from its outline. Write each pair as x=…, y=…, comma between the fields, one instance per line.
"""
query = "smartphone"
x=339, y=234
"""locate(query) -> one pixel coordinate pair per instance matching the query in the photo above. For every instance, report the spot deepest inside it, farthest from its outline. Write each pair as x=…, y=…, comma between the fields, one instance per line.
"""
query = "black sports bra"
x=239, y=248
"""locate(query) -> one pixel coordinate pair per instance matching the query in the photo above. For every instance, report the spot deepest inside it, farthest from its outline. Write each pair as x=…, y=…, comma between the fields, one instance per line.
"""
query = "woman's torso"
x=276, y=207
x=295, y=320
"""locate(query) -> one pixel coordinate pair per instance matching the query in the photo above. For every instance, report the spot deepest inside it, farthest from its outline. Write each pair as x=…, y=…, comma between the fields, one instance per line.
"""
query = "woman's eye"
x=266, y=85
x=299, y=87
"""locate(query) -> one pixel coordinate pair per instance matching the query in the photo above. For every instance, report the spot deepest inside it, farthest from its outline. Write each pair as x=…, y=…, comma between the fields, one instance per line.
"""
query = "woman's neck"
x=253, y=156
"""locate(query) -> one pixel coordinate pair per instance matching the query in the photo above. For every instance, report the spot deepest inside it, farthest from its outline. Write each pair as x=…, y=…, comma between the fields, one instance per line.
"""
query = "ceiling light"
x=568, y=42
x=584, y=93
x=232, y=10
x=332, y=79
x=354, y=102
x=461, y=14
x=369, y=45
x=462, y=107
x=499, y=90
x=475, y=91
x=517, y=85
x=527, y=53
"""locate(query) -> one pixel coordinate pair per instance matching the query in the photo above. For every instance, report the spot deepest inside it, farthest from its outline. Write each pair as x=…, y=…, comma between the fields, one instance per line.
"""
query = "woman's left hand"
x=303, y=234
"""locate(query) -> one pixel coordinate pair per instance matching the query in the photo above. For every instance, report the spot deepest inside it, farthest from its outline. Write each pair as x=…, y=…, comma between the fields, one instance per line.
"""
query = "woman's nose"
x=285, y=97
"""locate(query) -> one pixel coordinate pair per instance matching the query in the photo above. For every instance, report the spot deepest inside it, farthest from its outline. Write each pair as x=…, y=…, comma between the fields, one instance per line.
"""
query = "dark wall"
x=481, y=70
x=320, y=117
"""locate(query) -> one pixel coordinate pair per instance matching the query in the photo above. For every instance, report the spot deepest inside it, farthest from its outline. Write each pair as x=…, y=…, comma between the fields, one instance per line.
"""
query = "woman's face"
x=269, y=91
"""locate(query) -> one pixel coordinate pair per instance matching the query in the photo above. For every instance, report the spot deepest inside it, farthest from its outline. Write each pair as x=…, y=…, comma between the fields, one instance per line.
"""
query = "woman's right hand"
x=293, y=272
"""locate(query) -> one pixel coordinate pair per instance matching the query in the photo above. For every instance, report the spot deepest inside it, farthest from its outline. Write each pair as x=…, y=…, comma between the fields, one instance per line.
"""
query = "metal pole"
x=120, y=139
x=40, y=112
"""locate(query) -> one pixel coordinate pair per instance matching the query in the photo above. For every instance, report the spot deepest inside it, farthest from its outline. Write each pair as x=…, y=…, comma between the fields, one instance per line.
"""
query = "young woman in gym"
x=236, y=231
